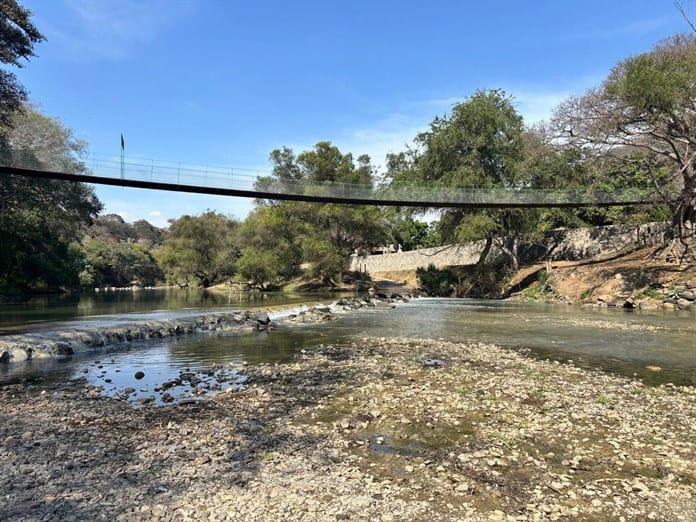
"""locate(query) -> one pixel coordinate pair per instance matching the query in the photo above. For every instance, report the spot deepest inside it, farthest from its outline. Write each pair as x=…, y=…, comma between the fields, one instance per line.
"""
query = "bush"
x=436, y=282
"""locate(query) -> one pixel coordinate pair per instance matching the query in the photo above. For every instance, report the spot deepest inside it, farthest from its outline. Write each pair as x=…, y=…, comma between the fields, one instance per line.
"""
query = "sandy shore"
x=375, y=430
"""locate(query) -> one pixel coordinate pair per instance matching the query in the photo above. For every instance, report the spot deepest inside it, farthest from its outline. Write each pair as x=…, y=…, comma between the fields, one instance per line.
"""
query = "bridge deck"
x=231, y=182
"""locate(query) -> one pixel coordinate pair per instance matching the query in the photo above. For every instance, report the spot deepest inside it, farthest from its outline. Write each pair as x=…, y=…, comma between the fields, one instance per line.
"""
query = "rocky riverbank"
x=374, y=429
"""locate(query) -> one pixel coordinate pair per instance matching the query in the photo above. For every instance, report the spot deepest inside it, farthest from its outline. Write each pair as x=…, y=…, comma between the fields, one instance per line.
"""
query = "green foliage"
x=42, y=220
x=320, y=235
x=406, y=231
x=262, y=268
x=111, y=263
x=637, y=128
x=479, y=145
x=327, y=260
x=17, y=39
x=201, y=248
x=542, y=289
x=436, y=282
x=112, y=227
x=147, y=234
x=648, y=293
x=270, y=254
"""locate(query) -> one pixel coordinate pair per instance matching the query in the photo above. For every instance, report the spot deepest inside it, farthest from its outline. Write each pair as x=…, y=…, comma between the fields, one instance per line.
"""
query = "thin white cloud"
x=113, y=29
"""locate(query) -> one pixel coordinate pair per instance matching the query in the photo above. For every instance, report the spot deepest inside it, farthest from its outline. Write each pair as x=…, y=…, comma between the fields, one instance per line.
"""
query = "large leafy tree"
x=325, y=233
x=641, y=124
x=479, y=145
x=17, y=38
x=201, y=248
x=118, y=253
x=42, y=221
x=271, y=253
x=113, y=263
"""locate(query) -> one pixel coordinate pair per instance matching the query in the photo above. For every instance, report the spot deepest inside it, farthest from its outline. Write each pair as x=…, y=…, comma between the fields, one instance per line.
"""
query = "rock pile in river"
x=318, y=314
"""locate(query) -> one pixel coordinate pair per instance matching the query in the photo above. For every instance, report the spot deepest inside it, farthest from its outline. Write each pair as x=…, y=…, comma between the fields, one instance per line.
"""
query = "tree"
x=479, y=145
x=406, y=231
x=271, y=252
x=41, y=220
x=114, y=263
x=147, y=234
x=113, y=228
x=203, y=248
x=325, y=233
x=641, y=121
x=17, y=38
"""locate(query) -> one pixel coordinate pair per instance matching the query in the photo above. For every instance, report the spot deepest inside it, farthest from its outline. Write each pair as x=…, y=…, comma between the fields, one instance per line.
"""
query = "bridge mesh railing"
x=182, y=175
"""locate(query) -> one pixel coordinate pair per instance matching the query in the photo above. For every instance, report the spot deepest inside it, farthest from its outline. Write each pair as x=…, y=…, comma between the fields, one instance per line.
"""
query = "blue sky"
x=224, y=82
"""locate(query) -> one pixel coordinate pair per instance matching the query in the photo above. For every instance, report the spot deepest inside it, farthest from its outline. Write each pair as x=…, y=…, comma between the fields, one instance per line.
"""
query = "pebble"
x=279, y=451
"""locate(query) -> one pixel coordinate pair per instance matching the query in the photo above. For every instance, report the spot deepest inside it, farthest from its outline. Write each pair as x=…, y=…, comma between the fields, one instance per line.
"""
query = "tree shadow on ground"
x=87, y=458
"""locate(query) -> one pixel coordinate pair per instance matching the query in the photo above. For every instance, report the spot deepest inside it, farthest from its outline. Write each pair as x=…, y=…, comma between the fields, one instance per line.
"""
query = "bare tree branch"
x=686, y=17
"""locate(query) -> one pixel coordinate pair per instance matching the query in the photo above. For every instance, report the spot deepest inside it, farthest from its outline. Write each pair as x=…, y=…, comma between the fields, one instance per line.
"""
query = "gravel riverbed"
x=375, y=429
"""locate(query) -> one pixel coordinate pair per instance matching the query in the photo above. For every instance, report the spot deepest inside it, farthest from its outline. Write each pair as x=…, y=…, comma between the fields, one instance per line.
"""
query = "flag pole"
x=123, y=155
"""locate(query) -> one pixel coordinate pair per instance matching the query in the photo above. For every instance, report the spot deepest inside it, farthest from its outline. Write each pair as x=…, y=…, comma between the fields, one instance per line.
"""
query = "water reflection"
x=63, y=307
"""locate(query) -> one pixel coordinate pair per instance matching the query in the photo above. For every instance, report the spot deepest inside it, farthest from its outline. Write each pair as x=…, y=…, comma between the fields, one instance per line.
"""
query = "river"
x=657, y=347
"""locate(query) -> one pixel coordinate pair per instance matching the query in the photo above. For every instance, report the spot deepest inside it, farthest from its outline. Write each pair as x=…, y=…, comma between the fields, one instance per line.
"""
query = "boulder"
x=64, y=349
x=683, y=304
x=688, y=295
x=262, y=318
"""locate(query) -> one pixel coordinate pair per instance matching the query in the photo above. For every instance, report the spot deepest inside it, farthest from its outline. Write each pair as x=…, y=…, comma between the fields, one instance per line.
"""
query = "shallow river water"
x=658, y=347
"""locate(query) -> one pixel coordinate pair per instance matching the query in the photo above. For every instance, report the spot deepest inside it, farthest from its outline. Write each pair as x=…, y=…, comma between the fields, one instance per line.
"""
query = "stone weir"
x=94, y=335
x=88, y=336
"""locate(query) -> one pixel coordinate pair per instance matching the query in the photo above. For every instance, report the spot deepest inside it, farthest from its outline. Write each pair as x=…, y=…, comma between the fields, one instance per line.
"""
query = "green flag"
x=123, y=155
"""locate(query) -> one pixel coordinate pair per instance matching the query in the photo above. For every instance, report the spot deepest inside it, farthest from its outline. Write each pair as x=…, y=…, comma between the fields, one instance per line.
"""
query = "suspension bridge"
x=159, y=175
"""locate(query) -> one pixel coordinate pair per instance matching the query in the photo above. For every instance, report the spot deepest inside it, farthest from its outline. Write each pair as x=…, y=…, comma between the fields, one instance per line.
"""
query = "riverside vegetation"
x=374, y=428
x=632, y=133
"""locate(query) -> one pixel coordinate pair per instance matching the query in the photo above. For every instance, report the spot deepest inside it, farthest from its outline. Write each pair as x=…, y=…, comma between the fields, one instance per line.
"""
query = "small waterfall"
x=71, y=339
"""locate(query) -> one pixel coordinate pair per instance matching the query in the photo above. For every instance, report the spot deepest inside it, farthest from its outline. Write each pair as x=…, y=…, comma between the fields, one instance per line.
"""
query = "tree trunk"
x=511, y=253
x=684, y=219
x=484, y=254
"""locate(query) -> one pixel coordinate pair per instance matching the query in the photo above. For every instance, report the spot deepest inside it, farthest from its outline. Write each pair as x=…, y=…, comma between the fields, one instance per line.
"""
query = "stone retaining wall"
x=441, y=257
x=559, y=244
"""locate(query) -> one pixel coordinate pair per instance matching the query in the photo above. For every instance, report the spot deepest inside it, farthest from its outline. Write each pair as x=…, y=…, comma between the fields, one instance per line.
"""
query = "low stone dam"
x=74, y=337
x=77, y=337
